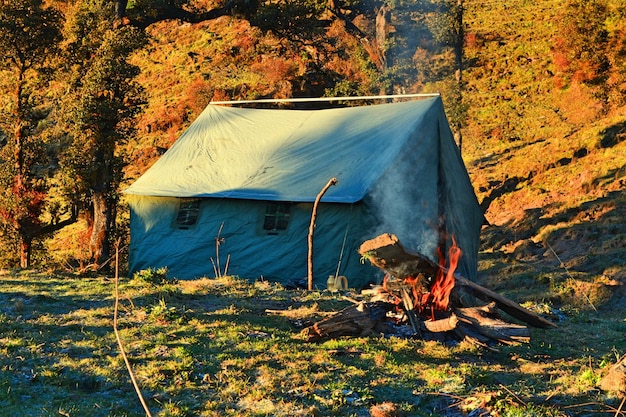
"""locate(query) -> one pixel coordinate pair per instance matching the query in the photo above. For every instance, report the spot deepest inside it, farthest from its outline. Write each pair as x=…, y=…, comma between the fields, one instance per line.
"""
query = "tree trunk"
x=25, y=251
x=25, y=242
x=458, y=73
x=120, y=8
x=382, y=31
x=100, y=229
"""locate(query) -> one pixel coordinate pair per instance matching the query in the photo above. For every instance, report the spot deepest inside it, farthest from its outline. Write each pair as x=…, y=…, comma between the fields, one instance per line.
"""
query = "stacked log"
x=409, y=277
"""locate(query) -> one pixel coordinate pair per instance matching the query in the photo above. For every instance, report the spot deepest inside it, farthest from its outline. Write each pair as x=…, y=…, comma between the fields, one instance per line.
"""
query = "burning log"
x=415, y=296
x=387, y=253
x=480, y=325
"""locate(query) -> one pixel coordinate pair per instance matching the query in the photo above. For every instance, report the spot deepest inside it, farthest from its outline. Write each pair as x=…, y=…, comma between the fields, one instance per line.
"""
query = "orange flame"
x=444, y=281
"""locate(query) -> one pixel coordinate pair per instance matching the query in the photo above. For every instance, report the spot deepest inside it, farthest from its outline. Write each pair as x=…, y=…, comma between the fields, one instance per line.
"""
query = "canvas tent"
x=251, y=176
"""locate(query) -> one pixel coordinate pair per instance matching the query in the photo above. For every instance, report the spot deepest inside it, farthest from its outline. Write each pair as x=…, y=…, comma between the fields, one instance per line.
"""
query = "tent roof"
x=287, y=155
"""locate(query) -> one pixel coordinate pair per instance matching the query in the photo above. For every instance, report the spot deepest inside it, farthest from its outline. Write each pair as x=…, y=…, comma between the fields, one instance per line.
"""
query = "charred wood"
x=508, y=306
x=361, y=319
x=486, y=321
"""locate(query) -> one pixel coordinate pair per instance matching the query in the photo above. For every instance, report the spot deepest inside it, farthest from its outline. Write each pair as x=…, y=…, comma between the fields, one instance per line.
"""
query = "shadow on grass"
x=598, y=223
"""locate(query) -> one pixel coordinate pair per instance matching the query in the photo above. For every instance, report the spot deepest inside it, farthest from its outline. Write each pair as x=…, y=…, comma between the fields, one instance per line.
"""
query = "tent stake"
x=333, y=181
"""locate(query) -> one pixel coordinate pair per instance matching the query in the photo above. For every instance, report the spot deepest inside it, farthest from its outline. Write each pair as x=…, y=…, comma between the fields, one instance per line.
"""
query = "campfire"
x=428, y=300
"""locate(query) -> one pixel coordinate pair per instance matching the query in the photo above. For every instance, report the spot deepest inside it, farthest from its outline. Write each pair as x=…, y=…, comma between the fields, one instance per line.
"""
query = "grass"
x=209, y=347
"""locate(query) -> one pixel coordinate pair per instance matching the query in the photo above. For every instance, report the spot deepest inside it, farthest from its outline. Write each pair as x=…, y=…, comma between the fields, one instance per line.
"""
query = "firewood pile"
x=422, y=299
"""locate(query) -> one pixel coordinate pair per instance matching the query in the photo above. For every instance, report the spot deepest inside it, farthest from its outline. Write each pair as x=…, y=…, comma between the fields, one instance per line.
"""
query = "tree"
x=29, y=36
x=446, y=25
x=591, y=48
x=100, y=104
x=146, y=12
x=378, y=57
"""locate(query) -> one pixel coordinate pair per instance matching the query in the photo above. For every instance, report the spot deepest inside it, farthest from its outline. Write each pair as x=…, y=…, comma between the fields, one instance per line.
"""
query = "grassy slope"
x=551, y=179
x=210, y=348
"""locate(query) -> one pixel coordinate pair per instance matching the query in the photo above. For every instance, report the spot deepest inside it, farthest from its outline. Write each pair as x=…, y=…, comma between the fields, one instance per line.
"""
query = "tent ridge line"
x=313, y=99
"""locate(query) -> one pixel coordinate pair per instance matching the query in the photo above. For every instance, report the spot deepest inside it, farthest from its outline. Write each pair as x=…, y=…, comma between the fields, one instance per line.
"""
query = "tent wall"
x=463, y=216
x=156, y=241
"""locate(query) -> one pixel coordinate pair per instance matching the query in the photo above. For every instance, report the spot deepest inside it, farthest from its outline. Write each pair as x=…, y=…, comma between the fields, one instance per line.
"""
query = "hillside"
x=550, y=174
x=549, y=171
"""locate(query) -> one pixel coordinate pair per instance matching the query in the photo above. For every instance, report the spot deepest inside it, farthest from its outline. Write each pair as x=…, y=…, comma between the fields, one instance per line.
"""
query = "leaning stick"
x=117, y=334
x=333, y=181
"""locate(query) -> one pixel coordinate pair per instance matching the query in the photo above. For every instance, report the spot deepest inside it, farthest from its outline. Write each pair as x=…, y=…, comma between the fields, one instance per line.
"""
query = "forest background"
x=94, y=92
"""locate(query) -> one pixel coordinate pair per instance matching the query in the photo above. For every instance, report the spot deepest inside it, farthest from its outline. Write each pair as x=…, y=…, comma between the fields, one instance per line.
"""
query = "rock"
x=615, y=378
x=385, y=409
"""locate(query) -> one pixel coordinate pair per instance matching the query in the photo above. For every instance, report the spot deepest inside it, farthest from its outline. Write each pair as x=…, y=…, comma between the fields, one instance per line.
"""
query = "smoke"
x=405, y=201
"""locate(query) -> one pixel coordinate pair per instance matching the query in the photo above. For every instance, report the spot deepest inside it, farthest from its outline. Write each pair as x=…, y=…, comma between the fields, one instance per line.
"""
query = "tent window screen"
x=188, y=212
x=276, y=217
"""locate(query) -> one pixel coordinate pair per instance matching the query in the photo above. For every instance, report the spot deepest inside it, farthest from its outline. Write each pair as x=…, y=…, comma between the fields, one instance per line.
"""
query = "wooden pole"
x=333, y=181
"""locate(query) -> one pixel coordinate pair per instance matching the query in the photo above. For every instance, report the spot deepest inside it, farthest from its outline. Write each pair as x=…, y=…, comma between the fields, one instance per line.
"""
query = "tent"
x=234, y=194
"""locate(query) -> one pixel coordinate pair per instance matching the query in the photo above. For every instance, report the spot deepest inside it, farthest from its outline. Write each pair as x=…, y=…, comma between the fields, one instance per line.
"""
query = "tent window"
x=188, y=212
x=276, y=217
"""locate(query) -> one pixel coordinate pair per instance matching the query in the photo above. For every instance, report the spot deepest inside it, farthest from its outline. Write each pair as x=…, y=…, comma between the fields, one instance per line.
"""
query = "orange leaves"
x=274, y=69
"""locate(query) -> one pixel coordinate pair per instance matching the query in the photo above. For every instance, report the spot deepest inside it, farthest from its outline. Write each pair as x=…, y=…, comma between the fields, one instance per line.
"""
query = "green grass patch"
x=210, y=348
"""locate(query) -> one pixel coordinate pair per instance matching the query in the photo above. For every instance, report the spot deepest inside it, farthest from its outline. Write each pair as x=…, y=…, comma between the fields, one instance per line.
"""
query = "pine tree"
x=29, y=36
x=100, y=104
